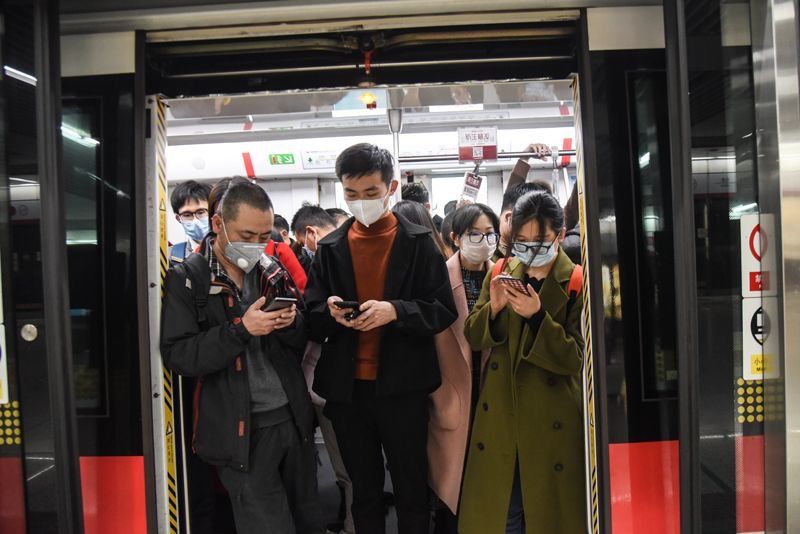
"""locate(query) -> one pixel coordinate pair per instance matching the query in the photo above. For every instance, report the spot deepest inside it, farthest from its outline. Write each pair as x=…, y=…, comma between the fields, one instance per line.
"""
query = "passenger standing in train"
x=453, y=404
x=447, y=229
x=339, y=214
x=526, y=462
x=254, y=418
x=282, y=227
x=510, y=198
x=417, y=192
x=189, y=202
x=304, y=255
x=572, y=241
x=519, y=174
x=319, y=224
x=418, y=214
x=378, y=362
x=276, y=246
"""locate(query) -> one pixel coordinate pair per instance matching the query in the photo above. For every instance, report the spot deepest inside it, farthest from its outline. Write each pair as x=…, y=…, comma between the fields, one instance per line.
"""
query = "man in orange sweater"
x=379, y=365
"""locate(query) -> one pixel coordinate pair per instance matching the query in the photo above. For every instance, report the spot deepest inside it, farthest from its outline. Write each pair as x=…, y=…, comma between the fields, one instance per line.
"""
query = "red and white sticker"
x=758, y=255
x=477, y=143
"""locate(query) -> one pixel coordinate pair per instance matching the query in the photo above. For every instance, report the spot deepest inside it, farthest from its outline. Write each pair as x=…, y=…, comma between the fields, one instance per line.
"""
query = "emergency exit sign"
x=281, y=159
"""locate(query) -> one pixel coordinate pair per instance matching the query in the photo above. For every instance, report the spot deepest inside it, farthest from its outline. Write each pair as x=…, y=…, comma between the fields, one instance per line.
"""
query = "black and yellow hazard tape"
x=163, y=263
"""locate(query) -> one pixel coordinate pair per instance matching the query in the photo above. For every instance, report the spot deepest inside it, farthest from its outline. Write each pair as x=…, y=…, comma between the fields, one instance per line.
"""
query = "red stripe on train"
x=12, y=496
x=645, y=487
x=113, y=494
x=750, y=484
x=248, y=165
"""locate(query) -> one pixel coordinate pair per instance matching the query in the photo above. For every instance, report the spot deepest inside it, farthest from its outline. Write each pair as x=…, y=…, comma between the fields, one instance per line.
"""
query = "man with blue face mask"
x=189, y=202
x=253, y=414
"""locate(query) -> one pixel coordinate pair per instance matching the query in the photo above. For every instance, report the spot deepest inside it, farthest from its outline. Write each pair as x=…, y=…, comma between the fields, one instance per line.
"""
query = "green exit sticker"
x=281, y=159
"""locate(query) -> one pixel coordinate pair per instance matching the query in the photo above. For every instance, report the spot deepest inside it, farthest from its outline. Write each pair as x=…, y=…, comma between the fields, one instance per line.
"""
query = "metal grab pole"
x=454, y=157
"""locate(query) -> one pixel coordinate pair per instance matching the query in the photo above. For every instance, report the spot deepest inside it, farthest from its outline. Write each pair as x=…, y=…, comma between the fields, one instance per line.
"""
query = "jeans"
x=515, y=523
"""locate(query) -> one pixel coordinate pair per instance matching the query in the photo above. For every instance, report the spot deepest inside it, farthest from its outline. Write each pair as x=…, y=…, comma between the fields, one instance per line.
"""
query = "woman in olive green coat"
x=526, y=457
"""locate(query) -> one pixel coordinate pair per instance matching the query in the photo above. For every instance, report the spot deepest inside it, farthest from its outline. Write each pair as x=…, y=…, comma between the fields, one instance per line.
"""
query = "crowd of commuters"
x=446, y=351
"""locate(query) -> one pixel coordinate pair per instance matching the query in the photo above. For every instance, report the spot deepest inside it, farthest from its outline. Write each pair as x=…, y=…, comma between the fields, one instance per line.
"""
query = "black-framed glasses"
x=477, y=237
x=189, y=216
x=522, y=247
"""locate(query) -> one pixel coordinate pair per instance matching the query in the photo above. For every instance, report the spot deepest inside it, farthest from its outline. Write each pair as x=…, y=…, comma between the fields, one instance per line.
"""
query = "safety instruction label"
x=757, y=246
x=760, y=346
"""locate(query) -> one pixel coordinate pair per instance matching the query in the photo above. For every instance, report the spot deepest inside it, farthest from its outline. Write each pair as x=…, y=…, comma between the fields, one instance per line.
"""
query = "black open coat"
x=418, y=286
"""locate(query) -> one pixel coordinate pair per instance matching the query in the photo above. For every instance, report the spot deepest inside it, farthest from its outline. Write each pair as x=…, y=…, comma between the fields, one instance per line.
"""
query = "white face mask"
x=367, y=212
x=476, y=252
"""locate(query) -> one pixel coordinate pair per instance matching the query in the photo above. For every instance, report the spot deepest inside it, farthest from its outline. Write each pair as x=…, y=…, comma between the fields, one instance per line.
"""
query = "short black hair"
x=416, y=192
x=281, y=223
x=450, y=207
x=363, y=159
x=511, y=196
x=186, y=191
x=465, y=216
x=243, y=191
x=311, y=215
x=337, y=212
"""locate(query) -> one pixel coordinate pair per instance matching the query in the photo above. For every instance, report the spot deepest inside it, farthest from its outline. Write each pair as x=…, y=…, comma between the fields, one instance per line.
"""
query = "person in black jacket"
x=254, y=419
x=377, y=369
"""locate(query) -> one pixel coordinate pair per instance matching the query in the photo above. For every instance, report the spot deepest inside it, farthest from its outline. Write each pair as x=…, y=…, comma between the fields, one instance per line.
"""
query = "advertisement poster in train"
x=760, y=346
x=477, y=143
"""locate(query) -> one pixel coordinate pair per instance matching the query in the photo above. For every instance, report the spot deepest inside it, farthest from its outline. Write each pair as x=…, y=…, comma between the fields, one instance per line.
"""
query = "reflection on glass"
x=654, y=237
x=83, y=199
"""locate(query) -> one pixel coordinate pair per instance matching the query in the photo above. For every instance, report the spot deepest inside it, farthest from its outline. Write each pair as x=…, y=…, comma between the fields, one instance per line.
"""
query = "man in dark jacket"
x=378, y=365
x=254, y=418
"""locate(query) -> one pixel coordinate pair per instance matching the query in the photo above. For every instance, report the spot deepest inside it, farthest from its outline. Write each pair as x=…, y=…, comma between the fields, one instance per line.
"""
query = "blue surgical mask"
x=547, y=252
x=243, y=254
x=196, y=229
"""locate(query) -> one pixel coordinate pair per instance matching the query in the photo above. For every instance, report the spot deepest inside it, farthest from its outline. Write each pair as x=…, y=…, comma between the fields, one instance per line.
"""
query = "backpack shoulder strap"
x=499, y=267
x=575, y=285
x=198, y=272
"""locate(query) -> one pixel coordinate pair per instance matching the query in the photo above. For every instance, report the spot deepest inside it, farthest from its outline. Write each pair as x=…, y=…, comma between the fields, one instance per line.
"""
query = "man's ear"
x=216, y=224
x=393, y=187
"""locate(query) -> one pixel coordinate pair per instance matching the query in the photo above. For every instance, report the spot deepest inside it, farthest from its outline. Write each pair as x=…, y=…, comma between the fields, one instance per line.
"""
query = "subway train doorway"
x=287, y=142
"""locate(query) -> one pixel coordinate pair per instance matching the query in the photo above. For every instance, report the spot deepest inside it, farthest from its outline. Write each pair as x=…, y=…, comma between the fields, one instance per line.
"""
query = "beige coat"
x=448, y=430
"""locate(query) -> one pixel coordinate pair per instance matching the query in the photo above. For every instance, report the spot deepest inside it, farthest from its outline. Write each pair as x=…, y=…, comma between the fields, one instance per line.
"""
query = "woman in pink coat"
x=475, y=229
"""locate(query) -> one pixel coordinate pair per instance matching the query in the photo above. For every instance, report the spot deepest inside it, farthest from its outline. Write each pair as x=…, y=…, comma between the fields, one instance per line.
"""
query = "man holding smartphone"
x=377, y=369
x=253, y=415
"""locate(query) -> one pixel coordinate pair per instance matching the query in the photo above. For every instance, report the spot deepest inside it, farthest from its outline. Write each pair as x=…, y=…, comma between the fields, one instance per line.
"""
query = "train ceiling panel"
x=365, y=59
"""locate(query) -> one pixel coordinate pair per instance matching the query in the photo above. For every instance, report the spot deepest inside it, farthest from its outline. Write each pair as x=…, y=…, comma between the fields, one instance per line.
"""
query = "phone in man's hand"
x=353, y=306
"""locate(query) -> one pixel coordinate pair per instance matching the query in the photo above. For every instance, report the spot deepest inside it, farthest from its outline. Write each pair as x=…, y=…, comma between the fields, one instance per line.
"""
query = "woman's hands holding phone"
x=523, y=305
x=498, y=298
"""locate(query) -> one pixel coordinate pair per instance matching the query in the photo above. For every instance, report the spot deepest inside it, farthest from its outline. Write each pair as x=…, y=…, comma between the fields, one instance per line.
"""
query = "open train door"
x=165, y=386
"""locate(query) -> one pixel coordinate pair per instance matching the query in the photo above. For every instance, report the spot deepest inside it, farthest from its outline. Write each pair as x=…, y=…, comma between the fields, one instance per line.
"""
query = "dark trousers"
x=365, y=429
x=279, y=492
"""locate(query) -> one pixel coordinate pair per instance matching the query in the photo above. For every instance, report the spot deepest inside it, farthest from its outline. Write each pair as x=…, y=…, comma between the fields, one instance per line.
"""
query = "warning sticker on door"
x=760, y=356
x=758, y=255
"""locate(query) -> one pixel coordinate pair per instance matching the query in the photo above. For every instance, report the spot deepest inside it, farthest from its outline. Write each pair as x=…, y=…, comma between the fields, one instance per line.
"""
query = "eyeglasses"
x=189, y=216
x=523, y=248
x=477, y=237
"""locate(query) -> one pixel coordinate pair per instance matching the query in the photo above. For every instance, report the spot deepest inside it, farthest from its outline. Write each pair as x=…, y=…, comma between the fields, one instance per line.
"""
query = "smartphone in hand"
x=516, y=283
x=351, y=305
x=279, y=303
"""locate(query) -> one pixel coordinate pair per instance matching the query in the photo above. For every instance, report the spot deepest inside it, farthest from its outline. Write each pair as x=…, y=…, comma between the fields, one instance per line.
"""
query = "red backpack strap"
x=575, y=285
x=499, y=267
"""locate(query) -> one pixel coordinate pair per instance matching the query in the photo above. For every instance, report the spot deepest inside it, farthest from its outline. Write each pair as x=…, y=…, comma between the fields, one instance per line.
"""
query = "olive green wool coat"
x=530, y=407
